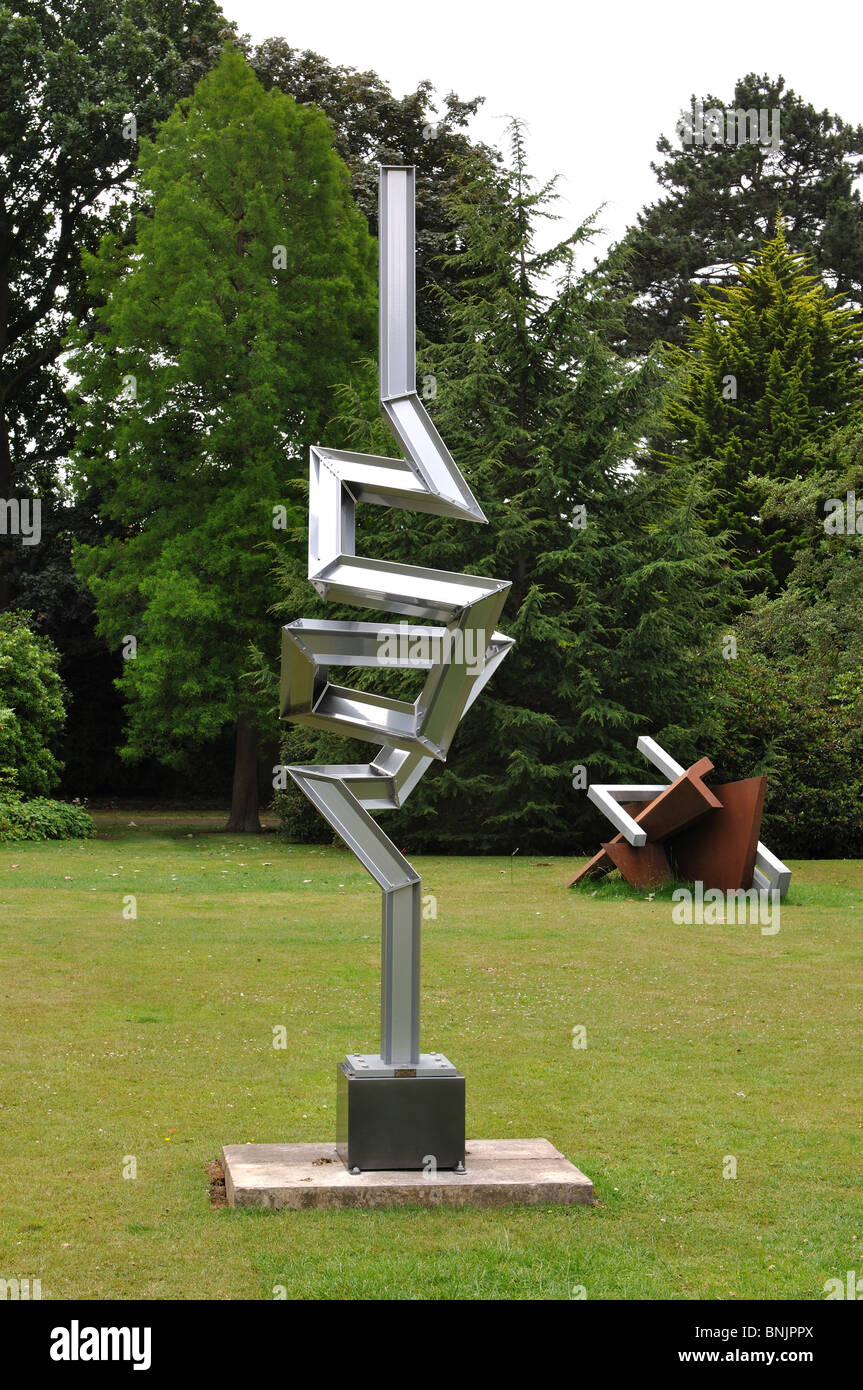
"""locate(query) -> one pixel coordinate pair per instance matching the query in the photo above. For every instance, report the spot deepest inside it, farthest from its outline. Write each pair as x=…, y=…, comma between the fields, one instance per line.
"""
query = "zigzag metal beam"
x=411, y=735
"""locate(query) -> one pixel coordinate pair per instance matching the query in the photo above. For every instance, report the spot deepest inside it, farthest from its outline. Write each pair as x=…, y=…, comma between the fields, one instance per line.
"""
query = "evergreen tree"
x=772, y=368
x=722, y=198
x=615, y=585
x=245, y=299
x=371, y=126
x=791, y=705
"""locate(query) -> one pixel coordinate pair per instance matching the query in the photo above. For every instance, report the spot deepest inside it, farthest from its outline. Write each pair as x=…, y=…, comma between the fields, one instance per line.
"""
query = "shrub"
x=42, y=819
x=809, y=748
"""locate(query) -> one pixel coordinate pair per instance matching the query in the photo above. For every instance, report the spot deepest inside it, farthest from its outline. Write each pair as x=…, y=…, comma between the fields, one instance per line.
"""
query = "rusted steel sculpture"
x=686, y=830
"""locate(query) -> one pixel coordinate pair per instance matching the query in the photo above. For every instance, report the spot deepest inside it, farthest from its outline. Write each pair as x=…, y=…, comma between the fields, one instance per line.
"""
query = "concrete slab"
x=499, y=1172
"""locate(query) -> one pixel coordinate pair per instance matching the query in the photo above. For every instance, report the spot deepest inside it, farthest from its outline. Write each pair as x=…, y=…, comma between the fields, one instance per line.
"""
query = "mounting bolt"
x=459, y=1168
x=356, y=1172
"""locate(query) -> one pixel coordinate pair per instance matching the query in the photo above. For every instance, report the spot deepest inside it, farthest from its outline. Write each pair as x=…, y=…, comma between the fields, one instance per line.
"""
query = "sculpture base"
x=390, y=1118
x=500, y=1172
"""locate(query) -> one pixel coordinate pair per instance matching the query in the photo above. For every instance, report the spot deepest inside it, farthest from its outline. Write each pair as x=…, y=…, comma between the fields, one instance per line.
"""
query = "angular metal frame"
x=411, y=735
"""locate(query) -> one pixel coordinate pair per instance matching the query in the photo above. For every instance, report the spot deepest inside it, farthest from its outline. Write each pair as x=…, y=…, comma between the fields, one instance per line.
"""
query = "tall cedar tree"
x=720, y=201
x=612, y=620
x=245, y=299
x=771, y=371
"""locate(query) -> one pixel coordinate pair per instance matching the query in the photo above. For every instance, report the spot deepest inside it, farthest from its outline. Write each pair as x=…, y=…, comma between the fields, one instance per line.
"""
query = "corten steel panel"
x=411, y=735
x=682, y=803
x=644, y=866
x=678, y=805
x=720, y=852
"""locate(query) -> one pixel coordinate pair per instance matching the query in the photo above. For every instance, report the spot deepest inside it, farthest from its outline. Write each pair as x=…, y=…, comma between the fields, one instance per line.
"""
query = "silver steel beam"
x=607, y=799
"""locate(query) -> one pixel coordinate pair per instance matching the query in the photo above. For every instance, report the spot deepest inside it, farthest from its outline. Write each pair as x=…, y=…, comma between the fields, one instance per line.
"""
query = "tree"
x=720, y=200
x=370, y=127
x=615, y=586
x=80, y=78
x=32, y=709
x=791, y=705
x=245, y=299
x=771, y=369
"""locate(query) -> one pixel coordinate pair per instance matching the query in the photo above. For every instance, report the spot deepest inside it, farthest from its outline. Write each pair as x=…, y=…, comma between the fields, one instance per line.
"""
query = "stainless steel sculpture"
x=464, y=610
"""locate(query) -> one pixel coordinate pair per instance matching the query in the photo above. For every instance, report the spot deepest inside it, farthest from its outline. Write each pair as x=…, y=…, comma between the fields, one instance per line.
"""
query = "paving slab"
x=498, y=1172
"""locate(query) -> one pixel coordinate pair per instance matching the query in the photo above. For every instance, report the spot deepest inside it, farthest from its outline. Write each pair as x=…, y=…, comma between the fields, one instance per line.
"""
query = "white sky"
x=596, y=83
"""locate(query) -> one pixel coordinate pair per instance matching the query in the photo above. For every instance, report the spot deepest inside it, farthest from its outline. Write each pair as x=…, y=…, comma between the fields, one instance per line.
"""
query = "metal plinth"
x=411, y=1118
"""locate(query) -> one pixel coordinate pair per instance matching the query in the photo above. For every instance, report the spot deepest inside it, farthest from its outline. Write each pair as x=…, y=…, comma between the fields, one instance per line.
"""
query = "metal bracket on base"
x=372, y=1064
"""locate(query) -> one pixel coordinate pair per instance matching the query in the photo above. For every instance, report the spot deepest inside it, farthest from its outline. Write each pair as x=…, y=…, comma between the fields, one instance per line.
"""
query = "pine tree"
x=771, y=370
x=721, y=198
x=615, y=585
x=244, y=301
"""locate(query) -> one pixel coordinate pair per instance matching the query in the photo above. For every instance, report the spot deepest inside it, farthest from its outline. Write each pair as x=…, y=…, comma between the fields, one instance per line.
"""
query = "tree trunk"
x=243, y=819
x=5, y=494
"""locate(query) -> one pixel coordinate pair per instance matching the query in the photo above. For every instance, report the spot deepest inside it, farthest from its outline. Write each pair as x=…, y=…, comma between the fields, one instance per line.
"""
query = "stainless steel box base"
x=399, y=1121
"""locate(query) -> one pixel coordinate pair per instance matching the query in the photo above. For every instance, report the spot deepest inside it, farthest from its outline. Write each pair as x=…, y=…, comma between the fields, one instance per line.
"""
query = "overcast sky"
x=596, y=83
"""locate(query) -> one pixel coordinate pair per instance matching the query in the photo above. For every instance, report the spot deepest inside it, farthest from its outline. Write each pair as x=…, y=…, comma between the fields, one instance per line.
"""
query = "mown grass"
x=153, y=1037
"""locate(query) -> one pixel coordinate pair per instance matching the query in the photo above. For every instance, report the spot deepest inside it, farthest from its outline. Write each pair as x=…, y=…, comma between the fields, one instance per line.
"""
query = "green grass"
x=153, y=1037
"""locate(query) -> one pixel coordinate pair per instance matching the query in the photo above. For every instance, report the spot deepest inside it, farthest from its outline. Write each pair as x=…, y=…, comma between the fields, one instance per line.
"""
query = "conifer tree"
x=791, y=705
x=771, y=370
x=721, y=196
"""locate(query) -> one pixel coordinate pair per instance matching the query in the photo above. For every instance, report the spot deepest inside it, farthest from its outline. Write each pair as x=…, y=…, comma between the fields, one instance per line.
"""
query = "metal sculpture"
x=709, y=833
x=398, y=1108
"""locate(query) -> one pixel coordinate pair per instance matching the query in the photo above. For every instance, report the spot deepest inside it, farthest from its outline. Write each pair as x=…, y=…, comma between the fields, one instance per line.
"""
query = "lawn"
x=151, y=1038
